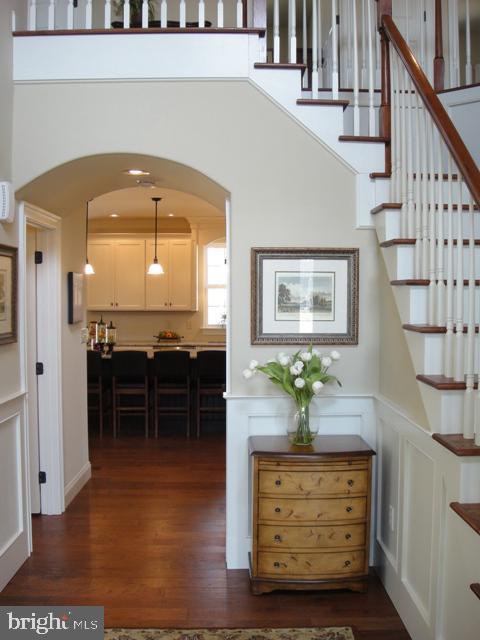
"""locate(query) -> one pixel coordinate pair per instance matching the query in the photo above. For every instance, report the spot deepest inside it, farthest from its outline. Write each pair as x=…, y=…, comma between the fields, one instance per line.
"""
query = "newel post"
x=438, y=61
x=384, y=7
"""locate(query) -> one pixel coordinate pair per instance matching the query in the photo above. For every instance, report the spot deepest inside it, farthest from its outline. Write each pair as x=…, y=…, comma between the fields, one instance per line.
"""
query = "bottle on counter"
x=111, y=333
x=101, y=331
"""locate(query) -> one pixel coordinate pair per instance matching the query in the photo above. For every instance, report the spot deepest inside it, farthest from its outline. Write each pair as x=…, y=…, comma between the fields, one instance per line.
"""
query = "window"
x=215, y=284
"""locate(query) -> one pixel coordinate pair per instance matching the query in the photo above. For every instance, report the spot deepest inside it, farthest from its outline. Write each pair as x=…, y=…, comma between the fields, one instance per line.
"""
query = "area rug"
x=324, y=633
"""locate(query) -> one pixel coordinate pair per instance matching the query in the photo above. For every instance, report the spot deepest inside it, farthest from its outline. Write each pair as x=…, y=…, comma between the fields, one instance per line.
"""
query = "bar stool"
x=130, y=381
x=96, y=390
x=210, y=380
x=171, y=379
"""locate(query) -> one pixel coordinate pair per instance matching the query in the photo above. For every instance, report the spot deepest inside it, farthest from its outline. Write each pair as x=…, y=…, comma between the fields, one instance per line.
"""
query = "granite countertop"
x=170, y=343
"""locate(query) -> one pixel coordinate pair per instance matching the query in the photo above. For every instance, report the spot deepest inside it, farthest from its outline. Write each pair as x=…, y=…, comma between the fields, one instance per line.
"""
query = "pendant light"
x=155, y=269
x=88, y=269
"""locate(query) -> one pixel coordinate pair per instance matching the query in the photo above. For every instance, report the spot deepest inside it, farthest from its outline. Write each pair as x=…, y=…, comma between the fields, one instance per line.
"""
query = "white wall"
x=463, y=107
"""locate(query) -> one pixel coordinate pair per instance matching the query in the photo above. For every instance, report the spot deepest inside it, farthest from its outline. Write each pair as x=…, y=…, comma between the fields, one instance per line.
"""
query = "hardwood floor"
x=146, y=539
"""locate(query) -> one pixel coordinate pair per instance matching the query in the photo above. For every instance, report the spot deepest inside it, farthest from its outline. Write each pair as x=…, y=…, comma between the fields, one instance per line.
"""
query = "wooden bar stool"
x=130, y=382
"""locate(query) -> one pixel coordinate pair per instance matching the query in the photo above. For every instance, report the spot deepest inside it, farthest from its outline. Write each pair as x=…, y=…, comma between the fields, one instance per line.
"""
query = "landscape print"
x=301, y=294
x=3, y=294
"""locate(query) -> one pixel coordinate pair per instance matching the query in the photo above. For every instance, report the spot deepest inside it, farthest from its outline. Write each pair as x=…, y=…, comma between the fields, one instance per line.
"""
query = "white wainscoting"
x=420, y=563
x=14, y=497
x=268, y=415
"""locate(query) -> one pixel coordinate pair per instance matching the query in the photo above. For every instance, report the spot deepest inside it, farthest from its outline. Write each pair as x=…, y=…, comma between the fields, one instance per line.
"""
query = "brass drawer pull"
x=351, y=483
x=349, y=509
x=348, y=536
x=278, y=538
x=278, y=482
x=277, y=509
x=347, y=563
x=276, y=564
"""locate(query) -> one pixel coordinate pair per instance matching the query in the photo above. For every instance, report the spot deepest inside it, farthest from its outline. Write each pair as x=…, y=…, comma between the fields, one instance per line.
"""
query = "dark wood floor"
x=146, y=539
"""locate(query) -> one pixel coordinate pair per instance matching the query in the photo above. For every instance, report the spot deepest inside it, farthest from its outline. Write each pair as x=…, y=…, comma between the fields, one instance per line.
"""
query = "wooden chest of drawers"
x=311, y=513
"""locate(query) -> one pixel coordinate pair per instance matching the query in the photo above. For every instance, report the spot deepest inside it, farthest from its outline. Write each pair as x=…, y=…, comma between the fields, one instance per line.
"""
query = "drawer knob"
x=349, y=509
x=350, y=483
x=277, y=509
x=348, y=536
x=278, y=538
x=278, y=482
x=347, y=563
x=276, y=564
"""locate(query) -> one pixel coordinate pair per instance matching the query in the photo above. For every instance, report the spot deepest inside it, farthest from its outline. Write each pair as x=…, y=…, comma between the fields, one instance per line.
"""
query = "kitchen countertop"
x=187, y=344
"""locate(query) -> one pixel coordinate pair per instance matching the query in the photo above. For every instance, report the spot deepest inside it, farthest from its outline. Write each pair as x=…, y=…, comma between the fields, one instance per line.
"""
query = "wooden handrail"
x=449, y=133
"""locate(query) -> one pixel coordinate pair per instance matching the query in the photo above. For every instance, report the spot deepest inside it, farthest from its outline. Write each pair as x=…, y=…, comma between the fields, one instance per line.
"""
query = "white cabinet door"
x=157, y=286
x=180, y=274
x=129, y=275
x=100, y=286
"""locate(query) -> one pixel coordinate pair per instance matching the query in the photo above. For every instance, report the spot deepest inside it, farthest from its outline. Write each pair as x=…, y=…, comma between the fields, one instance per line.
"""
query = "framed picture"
x=75, y=297
x=8, y=294
x=303, y=296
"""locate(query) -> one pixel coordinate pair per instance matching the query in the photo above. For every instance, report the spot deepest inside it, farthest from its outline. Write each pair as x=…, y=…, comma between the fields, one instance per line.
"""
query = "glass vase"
x=299, y=430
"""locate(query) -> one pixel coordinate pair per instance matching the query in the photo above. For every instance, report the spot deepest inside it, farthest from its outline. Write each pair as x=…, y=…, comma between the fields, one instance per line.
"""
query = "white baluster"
x=220, y=14
x=421, y=24
x=393, y=107
x=182, y=10
x=240, y=14
x=107, y=22
x=201, y=13
x=425, y=209
x=409, y=157
x=454, y=51
x=334, y=51
x=276, y=32
x=371, y=87
x=459, y=346
x=51, y=15
x=314, y=50
x=145, y=14
x=88, y=14
x=440, y=235
x=432, y=233
x=468, y=45
x=378, y=56
x=363, y=76
x=403, y=150
x=356, y=105
x=13, y=22
x=292, y=31
x=32, y=15
x=449, y=334
x=304, y=42
x=418, y=193
x=468, y=412
x=163, y=14
x=319, y=43
x=70, y=14
x=126, y=14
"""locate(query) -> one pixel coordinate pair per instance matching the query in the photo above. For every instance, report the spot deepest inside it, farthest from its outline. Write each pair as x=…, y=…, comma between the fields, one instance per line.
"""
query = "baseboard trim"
x=77, y=483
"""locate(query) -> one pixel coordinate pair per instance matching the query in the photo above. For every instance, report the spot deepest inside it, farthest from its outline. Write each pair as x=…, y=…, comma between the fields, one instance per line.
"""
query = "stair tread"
x=363, y=139
x=442, y=383
x=279, y=65
x=469, y=512
x=410, y=241
x=325, y=103
x=428, y=328
x=398, y=205
x=457, y=444
x=475, y=587
x=420, y=282
x=379, y=174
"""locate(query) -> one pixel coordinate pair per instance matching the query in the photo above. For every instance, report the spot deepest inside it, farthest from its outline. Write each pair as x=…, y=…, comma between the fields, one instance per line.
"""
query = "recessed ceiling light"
x=114, y=215
x=170, y=215
x=137, y=172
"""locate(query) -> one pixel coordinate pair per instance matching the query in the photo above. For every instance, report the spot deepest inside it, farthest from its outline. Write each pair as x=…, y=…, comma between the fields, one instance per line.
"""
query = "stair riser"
x=400, y=261
x=427, y=351
x=412, y=303
x=387, y=223
x=443, y=408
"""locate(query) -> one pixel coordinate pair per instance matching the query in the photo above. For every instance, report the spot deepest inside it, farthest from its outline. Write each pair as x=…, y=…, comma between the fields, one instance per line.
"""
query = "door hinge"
x=38, y=257
x=42, y=477
x=337, y=20
x=39, y=368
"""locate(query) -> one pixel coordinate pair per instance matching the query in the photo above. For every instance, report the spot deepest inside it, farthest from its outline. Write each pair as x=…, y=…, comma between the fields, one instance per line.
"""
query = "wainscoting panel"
x=268, y=415
x=388, y=491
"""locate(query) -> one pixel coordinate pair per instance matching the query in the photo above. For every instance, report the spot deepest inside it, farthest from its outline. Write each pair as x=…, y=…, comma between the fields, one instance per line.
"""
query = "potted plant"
x=135, y=10
x=303, y=376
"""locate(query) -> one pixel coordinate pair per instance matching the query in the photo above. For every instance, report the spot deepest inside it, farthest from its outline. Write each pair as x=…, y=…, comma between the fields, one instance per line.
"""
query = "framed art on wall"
x=75, y=297
x=303, y=296
x=8, y=294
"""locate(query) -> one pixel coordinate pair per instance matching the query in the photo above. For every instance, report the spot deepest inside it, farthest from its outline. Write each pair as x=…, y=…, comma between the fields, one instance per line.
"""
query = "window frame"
x=219, y=243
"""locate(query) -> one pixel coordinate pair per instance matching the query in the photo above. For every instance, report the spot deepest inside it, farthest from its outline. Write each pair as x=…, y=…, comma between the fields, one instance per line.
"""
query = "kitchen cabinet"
x=173, y=291
x=119, y=280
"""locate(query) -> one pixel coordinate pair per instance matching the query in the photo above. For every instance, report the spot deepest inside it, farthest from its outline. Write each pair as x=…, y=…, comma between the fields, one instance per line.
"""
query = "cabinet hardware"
x=278, y=538
x=278, y=482
x=349, y=509
x=348, y=536
x=347, y=563
x=276, y=564
x=350, y=483
x=277, y=509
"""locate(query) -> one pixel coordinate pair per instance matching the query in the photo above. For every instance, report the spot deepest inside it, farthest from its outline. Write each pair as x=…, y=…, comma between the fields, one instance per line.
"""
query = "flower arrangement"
x=302, y=376
x=167, y=334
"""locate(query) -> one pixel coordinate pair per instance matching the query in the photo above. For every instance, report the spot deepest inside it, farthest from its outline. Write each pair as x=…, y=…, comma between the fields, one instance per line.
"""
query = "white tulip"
x=271, y=360
x=294, y=370
x=284, y=360
x=335, y=355
x=306, y=356
x=317, y=387
x=326, y=361
x=247, y=374
x=316, y=352
x=253, y=364
x=299, y=364
x=299, y=383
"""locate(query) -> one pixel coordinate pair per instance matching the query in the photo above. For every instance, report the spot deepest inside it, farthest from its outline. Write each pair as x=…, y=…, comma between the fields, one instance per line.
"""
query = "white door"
x=157, y=297
x=180, y=275
x=129, y=275
x=100, y=286
x=31, y=335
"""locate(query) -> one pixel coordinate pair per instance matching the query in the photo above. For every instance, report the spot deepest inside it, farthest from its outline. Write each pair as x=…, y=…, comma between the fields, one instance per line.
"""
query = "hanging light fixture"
x=155, y=269
x=88, y=269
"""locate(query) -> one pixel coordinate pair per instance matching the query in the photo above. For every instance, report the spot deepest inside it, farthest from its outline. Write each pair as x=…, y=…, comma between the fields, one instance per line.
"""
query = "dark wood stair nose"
x=280, y=65
x=475, y=587
x=457, y=444
x=381, y=139
x=442, y=383
x=311, y=102
x=469, y=512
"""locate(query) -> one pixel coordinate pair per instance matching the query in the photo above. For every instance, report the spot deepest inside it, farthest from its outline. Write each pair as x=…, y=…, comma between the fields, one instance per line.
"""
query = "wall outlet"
x=391, y=518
